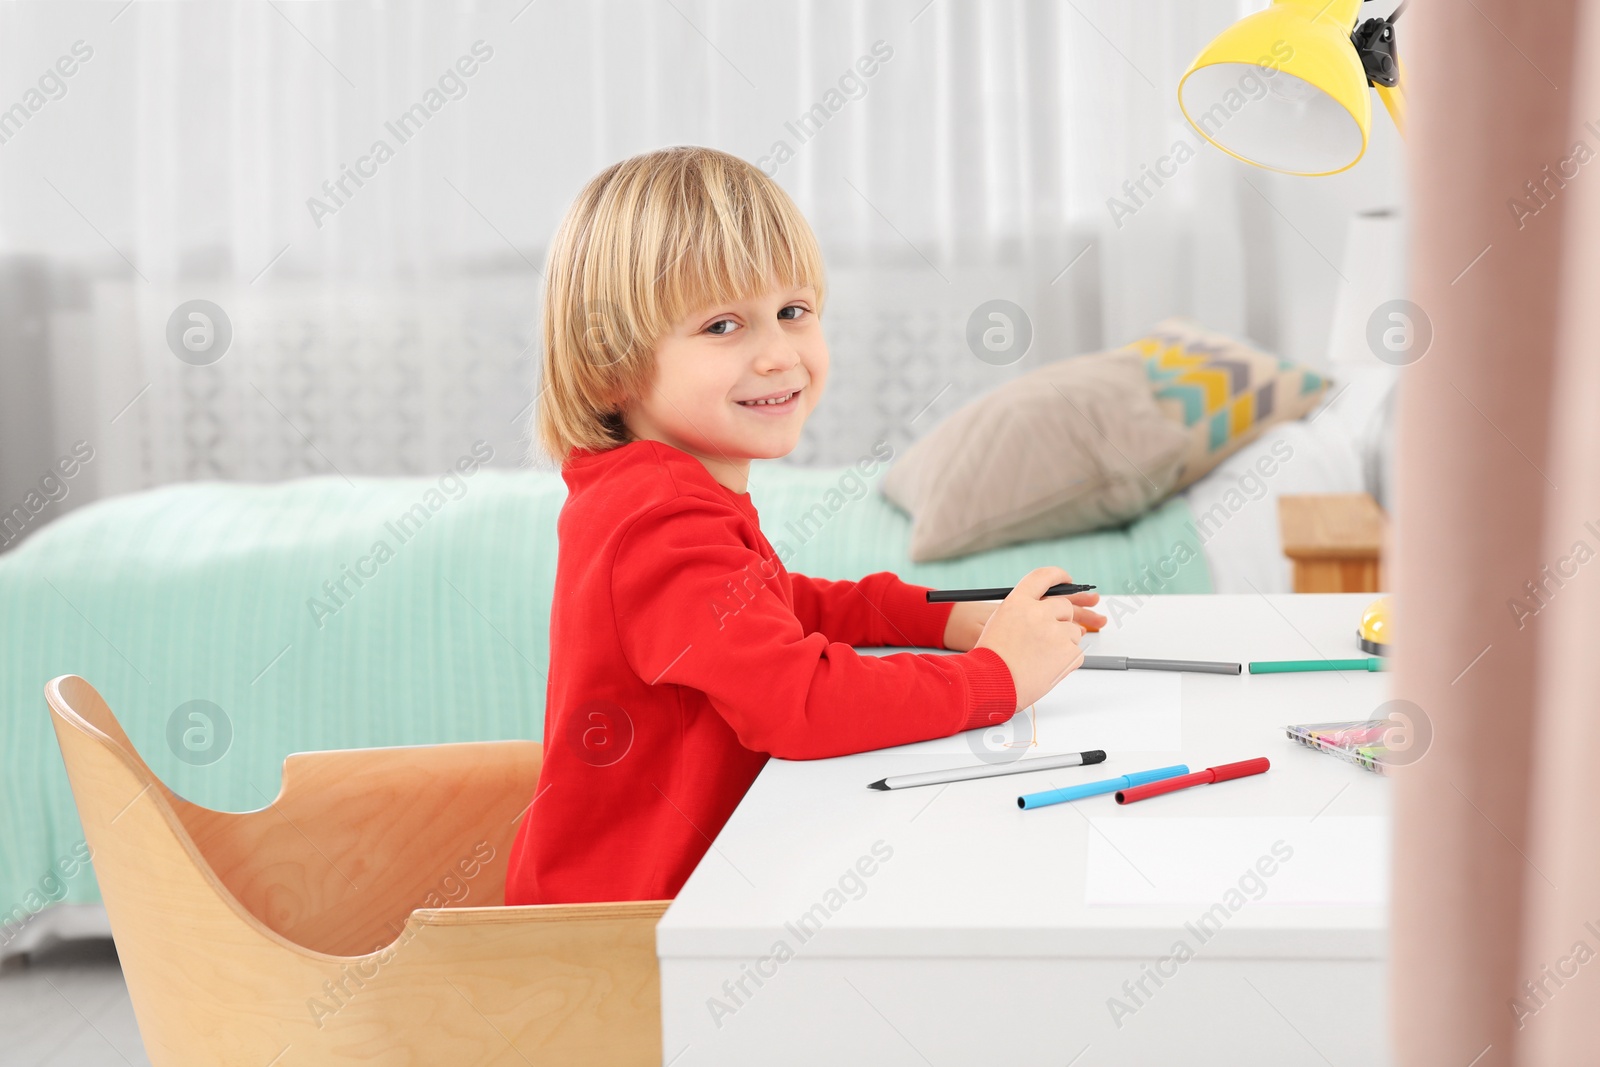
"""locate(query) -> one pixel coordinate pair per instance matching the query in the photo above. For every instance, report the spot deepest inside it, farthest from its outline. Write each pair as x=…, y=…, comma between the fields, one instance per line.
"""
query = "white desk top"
x=970, y=874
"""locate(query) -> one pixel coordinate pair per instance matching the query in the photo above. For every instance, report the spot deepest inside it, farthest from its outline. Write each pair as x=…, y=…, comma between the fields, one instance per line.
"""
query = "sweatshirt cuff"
x=993, y=693
x=914, y=620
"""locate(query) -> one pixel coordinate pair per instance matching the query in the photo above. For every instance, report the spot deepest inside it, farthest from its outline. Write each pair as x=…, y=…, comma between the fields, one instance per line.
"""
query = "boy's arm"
x=785, y=692
x=878, y=610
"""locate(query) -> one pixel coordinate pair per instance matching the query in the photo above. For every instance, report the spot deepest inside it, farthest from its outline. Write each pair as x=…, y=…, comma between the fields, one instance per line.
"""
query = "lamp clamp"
x=1374, y=43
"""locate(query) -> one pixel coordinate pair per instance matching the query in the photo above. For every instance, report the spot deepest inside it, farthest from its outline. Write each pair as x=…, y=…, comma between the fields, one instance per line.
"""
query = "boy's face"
x=724, y=354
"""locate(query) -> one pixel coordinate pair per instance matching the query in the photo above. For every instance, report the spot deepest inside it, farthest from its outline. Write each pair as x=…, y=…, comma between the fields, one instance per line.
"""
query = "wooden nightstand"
x=1335, y=541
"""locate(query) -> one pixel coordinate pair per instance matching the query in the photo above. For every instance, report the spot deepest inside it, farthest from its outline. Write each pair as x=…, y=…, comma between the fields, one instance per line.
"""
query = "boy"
x=682, y=341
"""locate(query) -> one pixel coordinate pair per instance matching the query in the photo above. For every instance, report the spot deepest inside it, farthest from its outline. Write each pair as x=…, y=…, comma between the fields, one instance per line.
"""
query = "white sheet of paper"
x=1119, y=711
x=1328, y=860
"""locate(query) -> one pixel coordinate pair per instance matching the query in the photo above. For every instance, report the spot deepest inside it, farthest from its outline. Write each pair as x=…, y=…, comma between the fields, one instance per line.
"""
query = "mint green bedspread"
x=216, y=592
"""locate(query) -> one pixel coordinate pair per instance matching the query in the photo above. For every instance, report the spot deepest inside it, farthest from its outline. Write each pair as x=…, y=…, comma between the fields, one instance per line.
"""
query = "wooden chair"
x=359, y=917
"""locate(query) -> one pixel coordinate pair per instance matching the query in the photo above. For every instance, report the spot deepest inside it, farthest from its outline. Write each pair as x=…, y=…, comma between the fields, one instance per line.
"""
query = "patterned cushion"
x=1222, y=390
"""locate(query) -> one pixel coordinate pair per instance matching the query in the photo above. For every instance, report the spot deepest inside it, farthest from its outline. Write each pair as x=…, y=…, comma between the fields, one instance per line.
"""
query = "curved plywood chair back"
x=358, y=917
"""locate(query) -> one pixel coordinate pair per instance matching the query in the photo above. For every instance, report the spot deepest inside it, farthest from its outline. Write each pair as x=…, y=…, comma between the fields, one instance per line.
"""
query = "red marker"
x=1242, y=769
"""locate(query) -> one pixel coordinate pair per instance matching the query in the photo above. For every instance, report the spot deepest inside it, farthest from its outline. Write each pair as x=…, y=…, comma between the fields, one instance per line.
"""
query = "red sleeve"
x=878, y=610
x=785, y=692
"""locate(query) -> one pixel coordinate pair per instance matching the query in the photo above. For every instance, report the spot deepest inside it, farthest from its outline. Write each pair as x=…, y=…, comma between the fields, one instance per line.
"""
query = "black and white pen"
x=991, y=770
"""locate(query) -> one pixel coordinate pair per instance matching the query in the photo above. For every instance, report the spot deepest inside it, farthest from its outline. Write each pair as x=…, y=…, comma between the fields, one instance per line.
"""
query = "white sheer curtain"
x=388, y=329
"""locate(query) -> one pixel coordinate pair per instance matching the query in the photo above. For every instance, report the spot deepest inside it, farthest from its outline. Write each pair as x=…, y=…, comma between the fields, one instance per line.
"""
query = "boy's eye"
x=798, y=310
x=722, y=327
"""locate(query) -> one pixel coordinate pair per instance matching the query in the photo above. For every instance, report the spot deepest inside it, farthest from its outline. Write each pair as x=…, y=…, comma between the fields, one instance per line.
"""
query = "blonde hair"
x=649, y=240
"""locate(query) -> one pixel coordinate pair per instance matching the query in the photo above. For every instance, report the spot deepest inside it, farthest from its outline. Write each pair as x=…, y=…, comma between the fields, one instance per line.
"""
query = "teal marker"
x=1089, y=789
x=1290, y=666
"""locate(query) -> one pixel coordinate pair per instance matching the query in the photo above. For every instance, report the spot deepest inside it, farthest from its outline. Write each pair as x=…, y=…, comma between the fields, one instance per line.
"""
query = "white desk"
x=992, y=935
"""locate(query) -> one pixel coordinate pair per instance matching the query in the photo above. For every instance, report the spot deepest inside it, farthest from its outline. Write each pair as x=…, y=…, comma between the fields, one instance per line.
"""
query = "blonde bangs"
x=728, y=240
x=648, y=241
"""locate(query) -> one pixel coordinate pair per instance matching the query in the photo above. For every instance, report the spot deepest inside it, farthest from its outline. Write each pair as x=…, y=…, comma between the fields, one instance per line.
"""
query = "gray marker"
x=1128, y=663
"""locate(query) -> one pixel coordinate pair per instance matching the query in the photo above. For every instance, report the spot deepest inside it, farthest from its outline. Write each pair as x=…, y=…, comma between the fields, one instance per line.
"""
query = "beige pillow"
x=1222, y=390
x=1073, y=446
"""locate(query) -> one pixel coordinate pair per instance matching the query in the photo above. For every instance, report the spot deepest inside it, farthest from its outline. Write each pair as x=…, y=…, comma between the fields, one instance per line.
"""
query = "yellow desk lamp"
x=1312, y=119
x=1317, y=64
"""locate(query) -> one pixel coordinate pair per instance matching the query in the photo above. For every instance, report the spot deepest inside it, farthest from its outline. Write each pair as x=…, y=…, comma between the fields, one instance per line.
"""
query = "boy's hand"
x=1036, y=635
x=967, y=619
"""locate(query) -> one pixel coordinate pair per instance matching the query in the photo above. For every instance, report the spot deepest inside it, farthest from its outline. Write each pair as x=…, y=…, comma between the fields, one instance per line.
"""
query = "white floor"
x=67, y=1006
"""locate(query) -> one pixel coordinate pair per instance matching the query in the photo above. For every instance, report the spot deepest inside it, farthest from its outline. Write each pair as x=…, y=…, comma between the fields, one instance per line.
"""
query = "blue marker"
x=1105, y=785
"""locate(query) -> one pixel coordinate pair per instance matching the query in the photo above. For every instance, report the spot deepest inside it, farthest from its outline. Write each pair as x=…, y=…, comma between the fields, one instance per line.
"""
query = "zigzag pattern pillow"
x=1224, y=392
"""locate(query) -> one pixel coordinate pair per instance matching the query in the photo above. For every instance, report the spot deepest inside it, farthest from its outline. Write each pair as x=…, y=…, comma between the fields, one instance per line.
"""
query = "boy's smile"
x=774, y=403
x=736, y=381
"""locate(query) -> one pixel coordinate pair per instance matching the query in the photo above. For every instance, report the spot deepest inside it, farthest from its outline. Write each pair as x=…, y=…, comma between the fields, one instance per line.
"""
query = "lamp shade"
x=1283, y=89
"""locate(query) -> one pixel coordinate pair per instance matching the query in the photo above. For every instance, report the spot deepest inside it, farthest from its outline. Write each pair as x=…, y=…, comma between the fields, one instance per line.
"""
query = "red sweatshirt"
x=683, y=655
